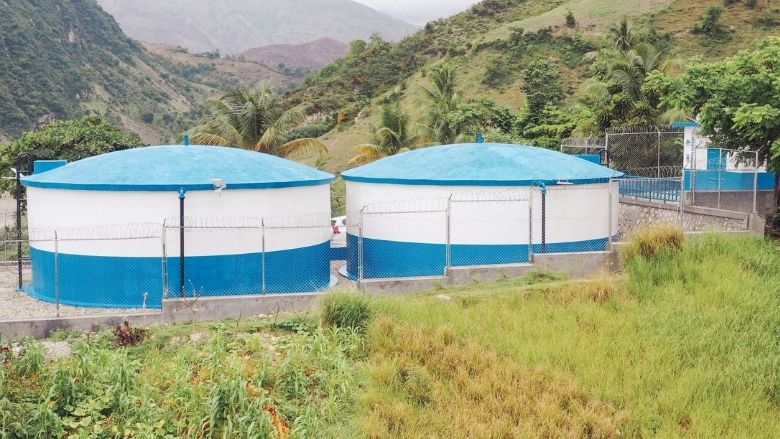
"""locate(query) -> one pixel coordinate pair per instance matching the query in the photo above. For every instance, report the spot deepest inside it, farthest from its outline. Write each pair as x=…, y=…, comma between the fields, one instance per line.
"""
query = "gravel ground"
x=343, y=282
x=15, y=305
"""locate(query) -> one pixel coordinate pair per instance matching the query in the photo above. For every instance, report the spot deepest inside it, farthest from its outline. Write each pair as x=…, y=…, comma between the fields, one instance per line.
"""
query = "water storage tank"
x=474, y=204
x=109, y=212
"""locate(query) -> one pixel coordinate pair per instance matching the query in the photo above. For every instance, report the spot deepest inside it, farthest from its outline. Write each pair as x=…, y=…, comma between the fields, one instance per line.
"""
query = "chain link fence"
x=132, y=268
x=428, y=238
x=425, y=238
x=673, y=175
x=723, y=179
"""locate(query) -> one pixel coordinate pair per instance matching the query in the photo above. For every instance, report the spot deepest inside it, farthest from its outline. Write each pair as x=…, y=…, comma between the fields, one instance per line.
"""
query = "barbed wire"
x=587, y=143
x=644, y=129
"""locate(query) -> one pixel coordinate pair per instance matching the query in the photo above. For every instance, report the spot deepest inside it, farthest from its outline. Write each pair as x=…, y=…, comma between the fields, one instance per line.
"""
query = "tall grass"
x=686, y=343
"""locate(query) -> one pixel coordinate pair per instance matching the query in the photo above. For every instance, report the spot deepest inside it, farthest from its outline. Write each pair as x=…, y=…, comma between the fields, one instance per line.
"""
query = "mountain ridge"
x=207, y=25
x=315, y=54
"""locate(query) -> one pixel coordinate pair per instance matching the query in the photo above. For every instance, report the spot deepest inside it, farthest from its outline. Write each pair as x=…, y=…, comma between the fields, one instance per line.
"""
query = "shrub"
x=656, y=240
x=570, y=20
x=343, y=310
x=710, y=24
x=751, y=3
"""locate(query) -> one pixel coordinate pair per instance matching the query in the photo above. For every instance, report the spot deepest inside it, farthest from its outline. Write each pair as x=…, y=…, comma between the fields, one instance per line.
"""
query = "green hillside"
x=69, y=58
x=492, y=44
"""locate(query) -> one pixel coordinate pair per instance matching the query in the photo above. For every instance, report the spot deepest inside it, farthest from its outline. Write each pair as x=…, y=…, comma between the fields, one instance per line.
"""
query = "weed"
x=30, y=360
x=128, y=336
x=652, y=241
x=344, y=310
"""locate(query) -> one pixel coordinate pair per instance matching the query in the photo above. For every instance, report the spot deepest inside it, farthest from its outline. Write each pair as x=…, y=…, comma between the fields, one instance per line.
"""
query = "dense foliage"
x=738, y=100
x=68, y=140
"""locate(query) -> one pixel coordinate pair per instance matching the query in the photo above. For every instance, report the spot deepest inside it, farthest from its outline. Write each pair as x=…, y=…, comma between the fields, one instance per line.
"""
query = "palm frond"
x=300, y=148
x=278, y=131
x=366, y=153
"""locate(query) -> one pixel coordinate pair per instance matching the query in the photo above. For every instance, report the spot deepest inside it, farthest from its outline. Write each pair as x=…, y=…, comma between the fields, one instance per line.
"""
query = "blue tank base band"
x=121, y=282
x=383, y=259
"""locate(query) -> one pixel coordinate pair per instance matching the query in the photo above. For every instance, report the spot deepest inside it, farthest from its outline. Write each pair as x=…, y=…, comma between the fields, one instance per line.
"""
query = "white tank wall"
x=574, y=213
x=117, y=214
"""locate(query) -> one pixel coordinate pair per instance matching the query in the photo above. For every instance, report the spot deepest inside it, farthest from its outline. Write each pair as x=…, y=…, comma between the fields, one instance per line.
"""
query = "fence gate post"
x=262, y=254
x=57, y=272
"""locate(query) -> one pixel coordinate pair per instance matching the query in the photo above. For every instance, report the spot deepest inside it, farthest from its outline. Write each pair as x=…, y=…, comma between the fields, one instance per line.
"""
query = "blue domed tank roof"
x=481, y=164
x=174, y=167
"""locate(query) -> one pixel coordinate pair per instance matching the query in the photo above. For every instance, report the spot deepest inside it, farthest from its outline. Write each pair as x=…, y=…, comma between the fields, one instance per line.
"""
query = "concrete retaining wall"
x=173, y=311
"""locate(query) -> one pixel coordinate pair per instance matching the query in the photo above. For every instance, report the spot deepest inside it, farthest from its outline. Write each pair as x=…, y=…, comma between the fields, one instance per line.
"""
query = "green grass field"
x=685, y=343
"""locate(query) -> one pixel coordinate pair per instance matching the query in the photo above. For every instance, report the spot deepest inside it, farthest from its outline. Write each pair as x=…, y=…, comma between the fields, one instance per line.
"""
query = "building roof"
x=175, y=167
x=481, y=164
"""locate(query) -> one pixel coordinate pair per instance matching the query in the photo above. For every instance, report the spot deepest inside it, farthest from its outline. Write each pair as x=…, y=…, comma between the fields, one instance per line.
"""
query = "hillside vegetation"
x=232, y=27
x=684, y=344
x=492, y=45
x=69, y=58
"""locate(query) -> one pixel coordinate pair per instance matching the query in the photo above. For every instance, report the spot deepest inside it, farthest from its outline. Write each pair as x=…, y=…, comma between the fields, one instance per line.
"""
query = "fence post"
x=609, y=216
x=681, y=204
x=165, y=286
x=720, y=164
x=658, y=154
x=531, y=225
x=360, y=249
x=755, y=184
x=448, y=249
x=262, y=254
x=19, y=222
x=57, y=272
x=544, y=219
x=182, y=196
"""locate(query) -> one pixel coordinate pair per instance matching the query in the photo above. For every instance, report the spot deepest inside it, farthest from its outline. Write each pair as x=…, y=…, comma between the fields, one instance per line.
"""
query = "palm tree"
x=622, y=36
x=254, y=119
x=391, y=138
x=443, y=100
x=620, y=97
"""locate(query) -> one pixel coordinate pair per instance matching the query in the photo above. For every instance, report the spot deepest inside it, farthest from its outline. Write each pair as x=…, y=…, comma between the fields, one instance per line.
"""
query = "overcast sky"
x=419, y=11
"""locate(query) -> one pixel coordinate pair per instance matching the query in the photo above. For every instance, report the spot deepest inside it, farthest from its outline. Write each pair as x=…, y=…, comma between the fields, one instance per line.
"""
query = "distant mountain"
x=69, y=58
x=233, y=26
x=315, y=54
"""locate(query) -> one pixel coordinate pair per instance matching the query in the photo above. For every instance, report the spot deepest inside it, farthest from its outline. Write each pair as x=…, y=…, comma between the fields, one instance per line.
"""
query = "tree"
x=68, y=140
x=737, y=100
x=619, y=97
x=254, y=119
x=710, y=24
x=570, y=20
x=443, y=100
x=393, y=137
x=542, y=86
x=622, y=36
